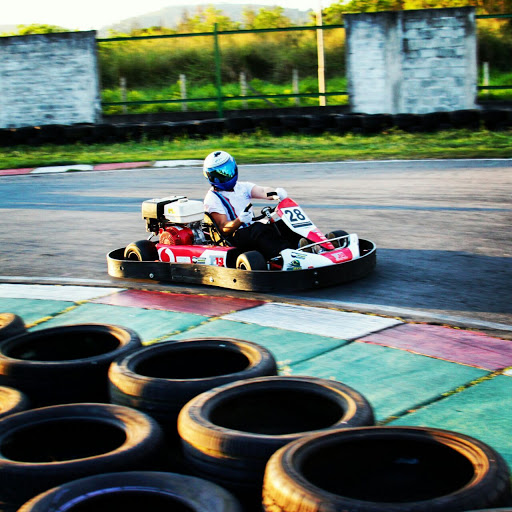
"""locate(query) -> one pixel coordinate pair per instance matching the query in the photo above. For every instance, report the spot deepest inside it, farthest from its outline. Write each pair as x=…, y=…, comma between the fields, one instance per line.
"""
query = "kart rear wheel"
x=251, y=260
x=142, y=250
x=335, y=234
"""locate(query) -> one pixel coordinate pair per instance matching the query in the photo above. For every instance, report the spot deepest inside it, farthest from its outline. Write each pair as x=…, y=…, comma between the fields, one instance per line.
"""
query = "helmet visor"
x=223, y=173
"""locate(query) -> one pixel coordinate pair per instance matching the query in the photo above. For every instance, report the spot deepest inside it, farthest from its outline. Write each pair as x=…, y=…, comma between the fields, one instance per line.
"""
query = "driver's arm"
x=261, y=192
x=228, y=227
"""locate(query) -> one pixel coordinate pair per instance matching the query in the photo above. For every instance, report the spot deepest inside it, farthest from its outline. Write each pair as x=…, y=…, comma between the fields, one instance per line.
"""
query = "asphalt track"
x=442, y=228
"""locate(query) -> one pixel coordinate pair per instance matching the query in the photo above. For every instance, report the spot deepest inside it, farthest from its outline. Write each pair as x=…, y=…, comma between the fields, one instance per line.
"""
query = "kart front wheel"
x=143, y=250
x=251, y=260
x=335, y=234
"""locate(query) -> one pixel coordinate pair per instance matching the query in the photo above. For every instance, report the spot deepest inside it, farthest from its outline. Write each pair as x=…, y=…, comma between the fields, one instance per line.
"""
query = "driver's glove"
x=245, y=217
x=281, y=193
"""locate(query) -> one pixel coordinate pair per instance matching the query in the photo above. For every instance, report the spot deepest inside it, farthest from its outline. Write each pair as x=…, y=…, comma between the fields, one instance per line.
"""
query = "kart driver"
x=227, y=201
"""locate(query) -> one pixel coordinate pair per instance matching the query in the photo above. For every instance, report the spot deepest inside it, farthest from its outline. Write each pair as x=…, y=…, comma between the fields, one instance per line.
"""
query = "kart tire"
x=12, y=401
x=160, y=379
x=411, y=469
x=64, y=364
x=251, y=260
x=336, y=233
x=142, y=250
x=229, y=433
x=133, y=491
x=10, y=325
x=45, y=447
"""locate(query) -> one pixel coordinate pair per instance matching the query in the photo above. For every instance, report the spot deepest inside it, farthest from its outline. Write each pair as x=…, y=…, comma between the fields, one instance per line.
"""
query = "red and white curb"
x=101, y=167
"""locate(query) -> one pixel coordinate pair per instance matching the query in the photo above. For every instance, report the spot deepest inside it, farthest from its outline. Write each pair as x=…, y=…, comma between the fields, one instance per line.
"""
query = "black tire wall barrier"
x=45, y=447
x=160, y=379
x=229, y=433
x=11, y=325
x=306, y=124
x=64, y=364
x=135, y=491
x=412, y=469
x=12, y=401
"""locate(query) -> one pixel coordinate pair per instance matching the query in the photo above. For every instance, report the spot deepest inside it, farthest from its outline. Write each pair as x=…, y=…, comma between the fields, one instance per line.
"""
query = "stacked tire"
x=48, y=446
x=134, y=491
x=160, y=379
x=66, y=364
x=10, y=325
x=400, y=469
x=230, y=432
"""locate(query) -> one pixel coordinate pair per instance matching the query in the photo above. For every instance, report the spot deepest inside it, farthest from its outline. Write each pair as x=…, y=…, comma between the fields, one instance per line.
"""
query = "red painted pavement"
x=179, y=302
x=128, y=165
x=457, y=345
x=12, y=172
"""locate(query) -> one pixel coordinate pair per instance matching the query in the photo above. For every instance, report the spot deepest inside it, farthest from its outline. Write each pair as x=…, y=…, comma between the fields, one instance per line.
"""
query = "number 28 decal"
x=297, y=218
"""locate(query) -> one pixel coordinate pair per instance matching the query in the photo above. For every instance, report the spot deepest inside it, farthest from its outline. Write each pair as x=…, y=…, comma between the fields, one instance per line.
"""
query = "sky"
x=95, y=14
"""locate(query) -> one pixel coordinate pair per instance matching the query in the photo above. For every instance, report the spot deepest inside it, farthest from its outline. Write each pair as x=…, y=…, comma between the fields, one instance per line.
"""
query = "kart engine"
x=175, y=219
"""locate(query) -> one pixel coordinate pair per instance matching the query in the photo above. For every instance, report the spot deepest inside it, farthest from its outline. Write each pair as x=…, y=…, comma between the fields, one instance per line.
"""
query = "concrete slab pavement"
x=412, y=373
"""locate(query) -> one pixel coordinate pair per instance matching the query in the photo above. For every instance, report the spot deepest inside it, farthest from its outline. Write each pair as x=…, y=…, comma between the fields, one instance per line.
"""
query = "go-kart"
x=186, y=245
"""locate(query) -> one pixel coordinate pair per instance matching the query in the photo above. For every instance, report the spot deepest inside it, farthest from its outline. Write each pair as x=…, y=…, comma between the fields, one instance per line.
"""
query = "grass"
x=207, y=90
x=264, y=148
x=255, y=87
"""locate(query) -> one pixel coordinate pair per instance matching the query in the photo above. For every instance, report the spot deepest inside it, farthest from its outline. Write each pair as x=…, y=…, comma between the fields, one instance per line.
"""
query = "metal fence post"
x=183, y=92
x=122, y=86
x=295, y=85
x=218, y=80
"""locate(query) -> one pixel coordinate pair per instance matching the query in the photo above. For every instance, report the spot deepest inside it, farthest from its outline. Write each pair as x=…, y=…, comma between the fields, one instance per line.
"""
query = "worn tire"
x=229, y=433
x=12, y=401
x=45, y=447
x=133, y=491
x=142, y=250
x=410, y=469
x=160, y=379
x=11, y=325
x=251, y=260
x=64, y=364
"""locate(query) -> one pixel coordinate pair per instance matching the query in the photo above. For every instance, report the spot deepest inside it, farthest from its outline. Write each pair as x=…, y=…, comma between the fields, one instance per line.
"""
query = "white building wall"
x=49, y=79
x=412, y=61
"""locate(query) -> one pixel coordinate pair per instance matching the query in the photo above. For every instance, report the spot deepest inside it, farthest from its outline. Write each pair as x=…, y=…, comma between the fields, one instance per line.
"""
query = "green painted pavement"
x=148, y=324
x=288, y=347
x=482, y=411
x=393, y=381
x=33, y=310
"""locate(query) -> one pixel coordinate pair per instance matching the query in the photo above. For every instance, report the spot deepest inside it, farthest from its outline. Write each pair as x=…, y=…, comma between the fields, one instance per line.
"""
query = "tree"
x=25, y=30
x=267, y=18
x=205, y=19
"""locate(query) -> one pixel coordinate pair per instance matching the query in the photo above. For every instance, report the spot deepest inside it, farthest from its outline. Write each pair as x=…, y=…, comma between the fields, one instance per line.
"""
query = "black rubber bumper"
x=257, y=280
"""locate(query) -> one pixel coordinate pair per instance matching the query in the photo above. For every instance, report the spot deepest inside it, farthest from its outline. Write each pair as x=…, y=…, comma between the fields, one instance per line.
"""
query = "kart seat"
x=214, y=232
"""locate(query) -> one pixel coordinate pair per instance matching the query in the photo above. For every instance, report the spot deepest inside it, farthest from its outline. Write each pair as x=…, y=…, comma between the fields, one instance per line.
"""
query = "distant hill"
x=170, y=16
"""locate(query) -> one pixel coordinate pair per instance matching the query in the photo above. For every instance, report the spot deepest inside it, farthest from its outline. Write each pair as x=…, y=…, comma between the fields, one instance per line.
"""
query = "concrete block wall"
x=49, y=79
x=414, y=62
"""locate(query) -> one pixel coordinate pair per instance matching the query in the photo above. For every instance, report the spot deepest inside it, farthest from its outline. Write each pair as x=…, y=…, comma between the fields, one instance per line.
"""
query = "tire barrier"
x=46, y=447
x=229, y=433
x=11, y=325
x=64, y=364
x=135, y=491
x=491, y=119
x=160, y=379
x=12, y=401
x=411, y=469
